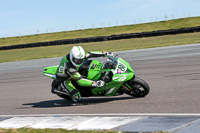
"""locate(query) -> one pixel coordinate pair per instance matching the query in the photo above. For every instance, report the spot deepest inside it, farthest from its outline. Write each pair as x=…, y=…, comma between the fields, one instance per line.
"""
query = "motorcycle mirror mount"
x=116, y=56
x=118, y=71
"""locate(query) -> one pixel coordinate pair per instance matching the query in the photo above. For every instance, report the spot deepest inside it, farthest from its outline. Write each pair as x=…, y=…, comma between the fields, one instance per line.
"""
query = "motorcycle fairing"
x=50, y=71
x=94, y=73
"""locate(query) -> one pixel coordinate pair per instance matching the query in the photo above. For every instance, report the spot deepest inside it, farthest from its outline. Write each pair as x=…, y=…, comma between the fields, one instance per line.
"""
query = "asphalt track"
x=173, y=74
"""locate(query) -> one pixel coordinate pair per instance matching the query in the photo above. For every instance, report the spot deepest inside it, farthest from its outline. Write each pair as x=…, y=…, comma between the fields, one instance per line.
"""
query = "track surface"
x=174, y=80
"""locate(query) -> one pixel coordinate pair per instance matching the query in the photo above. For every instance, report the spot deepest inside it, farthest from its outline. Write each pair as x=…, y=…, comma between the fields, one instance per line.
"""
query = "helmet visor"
x=77, y=61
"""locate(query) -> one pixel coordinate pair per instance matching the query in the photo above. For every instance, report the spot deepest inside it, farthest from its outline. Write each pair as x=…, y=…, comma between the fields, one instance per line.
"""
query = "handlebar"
x=111, y=58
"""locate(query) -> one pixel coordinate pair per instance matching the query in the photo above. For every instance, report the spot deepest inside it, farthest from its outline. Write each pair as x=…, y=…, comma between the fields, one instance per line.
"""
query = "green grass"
x=29, y=130
x=163, y=25
x=116, y=45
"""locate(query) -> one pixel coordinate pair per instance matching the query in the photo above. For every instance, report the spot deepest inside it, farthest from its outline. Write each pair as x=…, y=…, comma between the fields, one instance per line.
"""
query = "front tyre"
x=138, y=87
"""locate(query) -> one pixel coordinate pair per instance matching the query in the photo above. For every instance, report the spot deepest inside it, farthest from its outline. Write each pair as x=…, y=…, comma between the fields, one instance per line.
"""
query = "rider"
x=68, y=71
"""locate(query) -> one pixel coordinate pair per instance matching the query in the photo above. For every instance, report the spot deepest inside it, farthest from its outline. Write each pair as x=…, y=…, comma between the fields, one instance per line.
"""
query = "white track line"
x=68, y=122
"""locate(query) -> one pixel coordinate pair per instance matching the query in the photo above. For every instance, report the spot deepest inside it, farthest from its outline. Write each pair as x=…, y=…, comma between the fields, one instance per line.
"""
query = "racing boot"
x=76, y=97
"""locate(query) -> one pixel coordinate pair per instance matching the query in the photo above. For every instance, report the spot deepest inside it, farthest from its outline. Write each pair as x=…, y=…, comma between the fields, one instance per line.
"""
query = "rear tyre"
x=139, y=87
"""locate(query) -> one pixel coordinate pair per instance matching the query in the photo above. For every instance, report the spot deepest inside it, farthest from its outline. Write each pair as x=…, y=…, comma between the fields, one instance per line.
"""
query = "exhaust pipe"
x=61, y=92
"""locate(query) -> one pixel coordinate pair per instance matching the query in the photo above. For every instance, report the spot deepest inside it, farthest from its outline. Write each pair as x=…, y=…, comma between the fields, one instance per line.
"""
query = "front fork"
x=127, y=88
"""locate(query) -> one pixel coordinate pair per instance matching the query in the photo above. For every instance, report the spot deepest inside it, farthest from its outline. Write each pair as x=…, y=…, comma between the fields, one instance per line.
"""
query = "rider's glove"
x=98, y=83
x=108, y=53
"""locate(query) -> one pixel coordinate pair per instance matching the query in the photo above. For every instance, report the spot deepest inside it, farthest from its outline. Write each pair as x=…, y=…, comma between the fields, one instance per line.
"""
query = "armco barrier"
x=105, y=38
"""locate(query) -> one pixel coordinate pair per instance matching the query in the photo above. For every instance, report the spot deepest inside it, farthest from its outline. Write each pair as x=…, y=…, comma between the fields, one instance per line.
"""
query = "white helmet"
x=77, y=56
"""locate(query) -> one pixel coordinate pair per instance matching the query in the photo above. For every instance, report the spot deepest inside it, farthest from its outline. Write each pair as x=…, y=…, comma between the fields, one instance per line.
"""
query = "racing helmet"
x=77, y=56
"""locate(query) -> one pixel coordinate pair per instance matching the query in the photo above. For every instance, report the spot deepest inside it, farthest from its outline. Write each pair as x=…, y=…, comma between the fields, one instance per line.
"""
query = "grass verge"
x=29, y=130
x=162, y=25
x=116, y=45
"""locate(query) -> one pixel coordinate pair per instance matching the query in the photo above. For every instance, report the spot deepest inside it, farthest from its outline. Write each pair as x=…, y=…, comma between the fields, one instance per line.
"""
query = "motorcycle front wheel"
x=139, y=88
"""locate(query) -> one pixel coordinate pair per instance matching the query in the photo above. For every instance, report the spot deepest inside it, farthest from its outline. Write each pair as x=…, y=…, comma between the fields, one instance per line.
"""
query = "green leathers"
x=68, y=71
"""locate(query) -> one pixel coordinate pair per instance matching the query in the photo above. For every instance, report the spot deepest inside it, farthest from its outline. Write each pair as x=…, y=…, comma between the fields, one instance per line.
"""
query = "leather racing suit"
x=67, y=72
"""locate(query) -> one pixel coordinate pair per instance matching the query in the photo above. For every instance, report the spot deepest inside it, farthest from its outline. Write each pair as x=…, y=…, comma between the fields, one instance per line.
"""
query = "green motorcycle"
x=117, y=73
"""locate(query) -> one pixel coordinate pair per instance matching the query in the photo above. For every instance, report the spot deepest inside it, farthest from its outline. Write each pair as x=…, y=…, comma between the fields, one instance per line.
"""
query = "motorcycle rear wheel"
x=139, y=87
